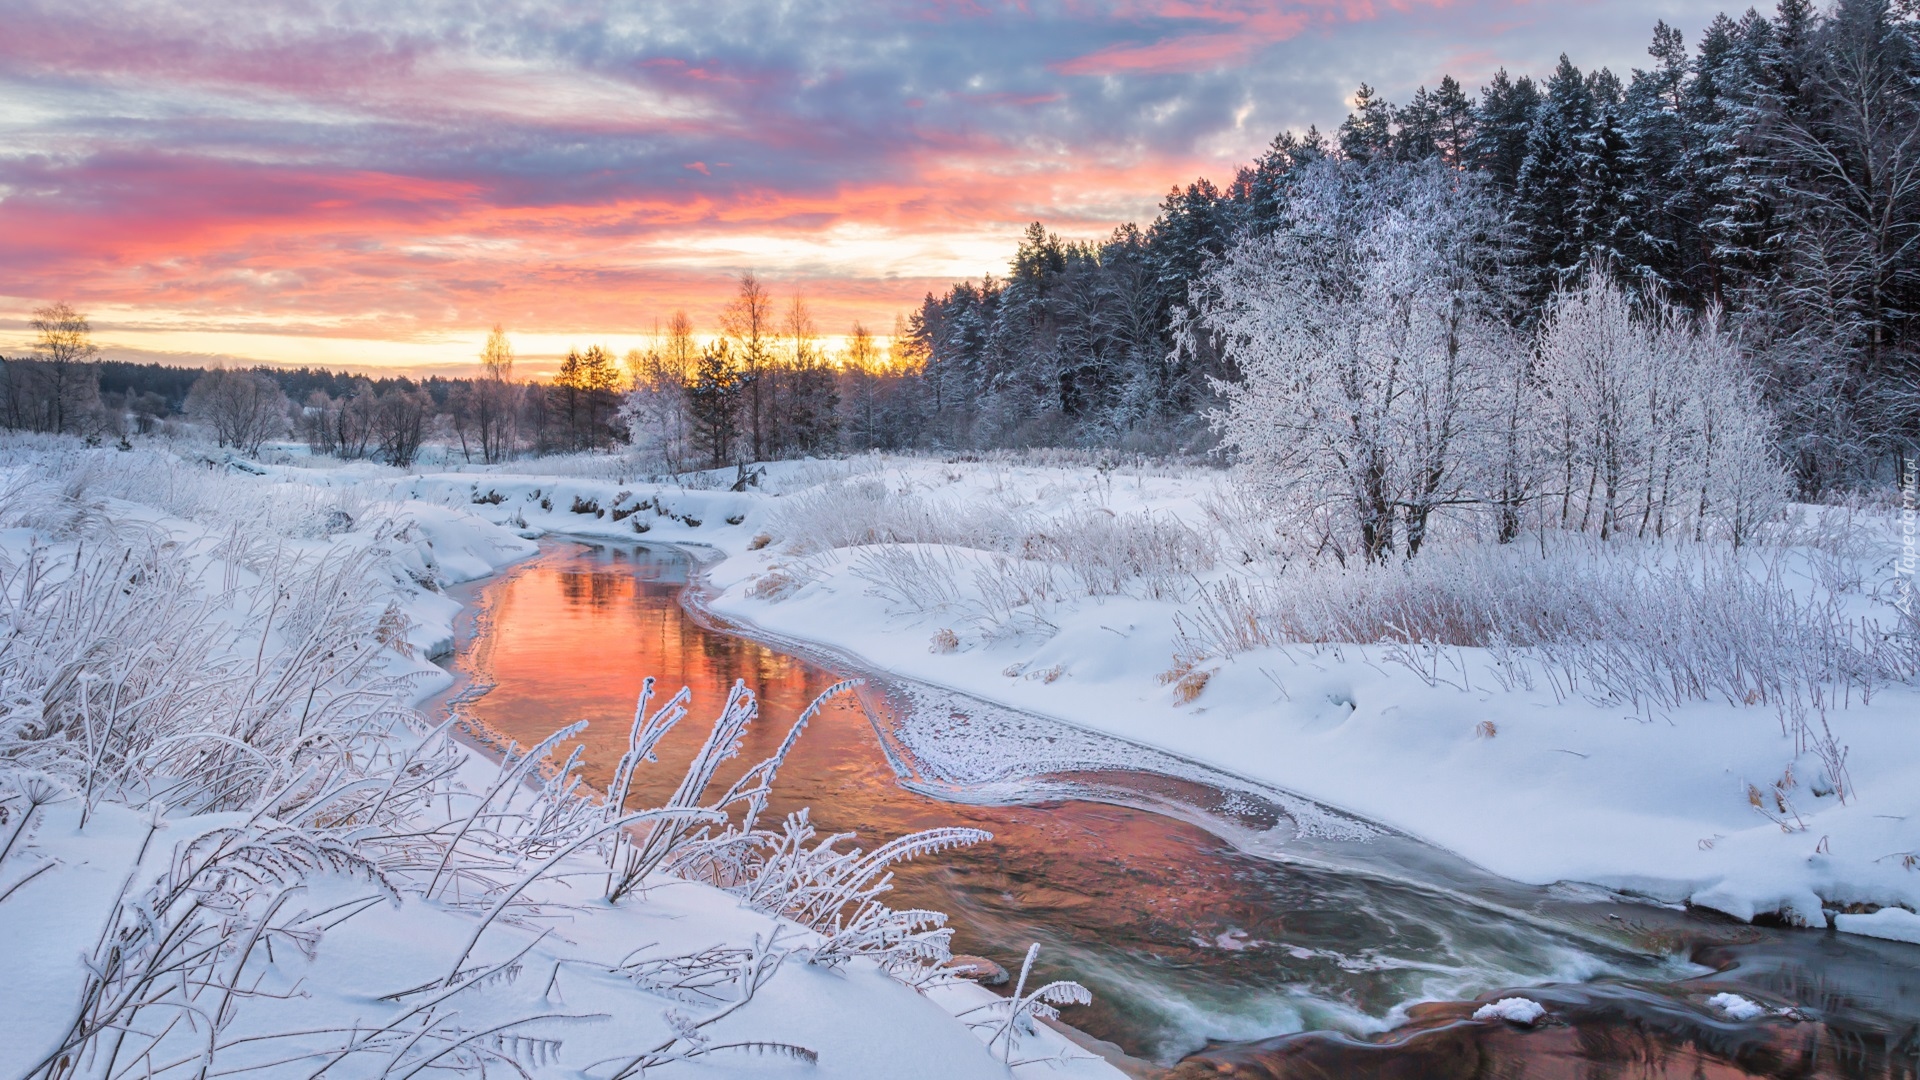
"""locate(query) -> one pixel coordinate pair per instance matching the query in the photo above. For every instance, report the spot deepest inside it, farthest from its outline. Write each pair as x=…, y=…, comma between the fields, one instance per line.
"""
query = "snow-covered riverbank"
x=231, y=843
x=218, y=793
x=1140, y=602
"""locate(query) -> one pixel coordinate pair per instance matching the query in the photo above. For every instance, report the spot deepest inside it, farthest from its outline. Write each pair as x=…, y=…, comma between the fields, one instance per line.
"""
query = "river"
x=1220, y=926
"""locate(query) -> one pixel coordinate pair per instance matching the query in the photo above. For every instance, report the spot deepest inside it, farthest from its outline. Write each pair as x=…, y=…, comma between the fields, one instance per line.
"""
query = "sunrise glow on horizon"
x=360, y=185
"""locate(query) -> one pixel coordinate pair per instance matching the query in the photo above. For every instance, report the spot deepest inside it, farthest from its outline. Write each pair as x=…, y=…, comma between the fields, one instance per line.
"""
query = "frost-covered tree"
x=242, y=409
x=343, y=425
x=1655, y=423
x=1365, y=329
x=659, y=423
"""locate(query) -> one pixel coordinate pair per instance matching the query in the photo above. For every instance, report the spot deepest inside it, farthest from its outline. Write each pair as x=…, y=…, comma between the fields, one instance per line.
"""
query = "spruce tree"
x=1501, y=125
x=713, y=399
x=1547, y=193
x=1368, y=131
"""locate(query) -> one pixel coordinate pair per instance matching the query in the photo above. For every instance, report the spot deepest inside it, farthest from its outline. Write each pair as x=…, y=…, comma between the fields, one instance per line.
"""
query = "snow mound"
x=1515, y=1010
x=1736, y=1007
x=1893, y=924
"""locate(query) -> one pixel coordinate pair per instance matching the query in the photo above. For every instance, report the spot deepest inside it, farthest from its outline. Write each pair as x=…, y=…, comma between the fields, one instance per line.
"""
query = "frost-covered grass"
x=1649, y=627
x=229, y=843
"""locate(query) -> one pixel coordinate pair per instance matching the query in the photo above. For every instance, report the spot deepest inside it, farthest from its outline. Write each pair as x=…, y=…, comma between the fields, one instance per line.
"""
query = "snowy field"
x=231, y=838
x=1675, y=721
x=229, y=842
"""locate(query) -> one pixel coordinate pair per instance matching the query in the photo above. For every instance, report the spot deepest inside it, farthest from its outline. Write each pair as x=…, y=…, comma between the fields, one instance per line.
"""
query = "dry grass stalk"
x=1188, y=681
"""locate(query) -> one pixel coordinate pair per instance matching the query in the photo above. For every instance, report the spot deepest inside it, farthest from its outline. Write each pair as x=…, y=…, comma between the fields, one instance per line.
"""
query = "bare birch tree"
x=243, y=409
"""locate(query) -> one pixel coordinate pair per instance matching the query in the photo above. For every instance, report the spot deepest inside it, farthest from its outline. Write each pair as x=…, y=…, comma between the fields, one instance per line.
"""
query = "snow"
x=1514, y=1010
x=1652, y=802
x=1736, y=1007
x=1893, y=924
x=1068, y=594
x=556, y=1004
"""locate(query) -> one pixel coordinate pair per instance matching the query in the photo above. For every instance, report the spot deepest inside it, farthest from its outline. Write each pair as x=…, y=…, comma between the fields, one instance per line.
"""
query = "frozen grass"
x=56, y=485
x=1651, y=627
x=996, y=562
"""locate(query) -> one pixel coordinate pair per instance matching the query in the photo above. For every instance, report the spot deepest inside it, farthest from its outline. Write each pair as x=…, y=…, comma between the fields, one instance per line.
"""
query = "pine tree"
x=1502, y=123
x=1602, y=206
x=1547, y=193
x=1453, y=123
x=1417, y=136
x=1368, y=131
x=714, y=400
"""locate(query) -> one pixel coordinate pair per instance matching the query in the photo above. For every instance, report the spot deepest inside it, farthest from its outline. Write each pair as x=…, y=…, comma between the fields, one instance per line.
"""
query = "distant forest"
x=1769, y=176
x=166, y=388
x=1766, y=180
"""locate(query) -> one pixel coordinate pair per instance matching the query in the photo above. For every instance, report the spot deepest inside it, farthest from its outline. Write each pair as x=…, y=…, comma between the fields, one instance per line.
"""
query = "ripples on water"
x=1189, y=943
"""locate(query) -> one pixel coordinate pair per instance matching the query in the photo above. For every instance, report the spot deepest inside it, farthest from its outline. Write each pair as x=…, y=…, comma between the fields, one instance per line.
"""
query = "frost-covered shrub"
x=999, y=596
x=865, y=510
x=1009, y=1019
x=1152, y=555
x=1039, y=558
x=1650, y=626
x=126, y=675
x=792, y=873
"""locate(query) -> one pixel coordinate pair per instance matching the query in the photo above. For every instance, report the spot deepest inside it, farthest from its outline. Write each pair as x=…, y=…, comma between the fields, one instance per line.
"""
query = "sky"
x=375, y=183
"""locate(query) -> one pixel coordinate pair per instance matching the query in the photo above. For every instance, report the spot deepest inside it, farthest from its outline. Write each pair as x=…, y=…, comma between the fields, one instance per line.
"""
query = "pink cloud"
x=1228, y=32
x=1194, y=52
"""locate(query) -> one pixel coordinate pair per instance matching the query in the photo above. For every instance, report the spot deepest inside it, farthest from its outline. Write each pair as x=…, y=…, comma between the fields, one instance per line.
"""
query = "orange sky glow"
x=367, y=184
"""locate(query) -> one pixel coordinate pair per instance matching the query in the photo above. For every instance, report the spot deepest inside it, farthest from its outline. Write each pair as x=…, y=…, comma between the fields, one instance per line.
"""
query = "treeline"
x=765, y=388
x=1770, y=177
x=63, y=387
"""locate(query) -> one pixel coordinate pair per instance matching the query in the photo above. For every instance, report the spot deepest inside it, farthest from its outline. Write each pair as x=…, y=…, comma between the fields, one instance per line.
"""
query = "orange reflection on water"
x=572, y=635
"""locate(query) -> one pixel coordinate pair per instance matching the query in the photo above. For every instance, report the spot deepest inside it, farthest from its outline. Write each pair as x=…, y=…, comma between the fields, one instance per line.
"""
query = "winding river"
x=1223, y=928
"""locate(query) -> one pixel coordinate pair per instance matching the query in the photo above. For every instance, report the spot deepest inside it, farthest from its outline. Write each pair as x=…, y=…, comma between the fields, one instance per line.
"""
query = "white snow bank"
x=1514, y=1010
x=1736, y=1007
x=1893, y=924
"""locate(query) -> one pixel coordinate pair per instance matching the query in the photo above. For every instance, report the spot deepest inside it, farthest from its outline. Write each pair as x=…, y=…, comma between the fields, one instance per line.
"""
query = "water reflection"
x=1187, y=943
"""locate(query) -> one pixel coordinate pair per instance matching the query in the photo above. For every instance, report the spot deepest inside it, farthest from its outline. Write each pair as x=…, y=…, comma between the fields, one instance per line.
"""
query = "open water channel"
x=1224, y=929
